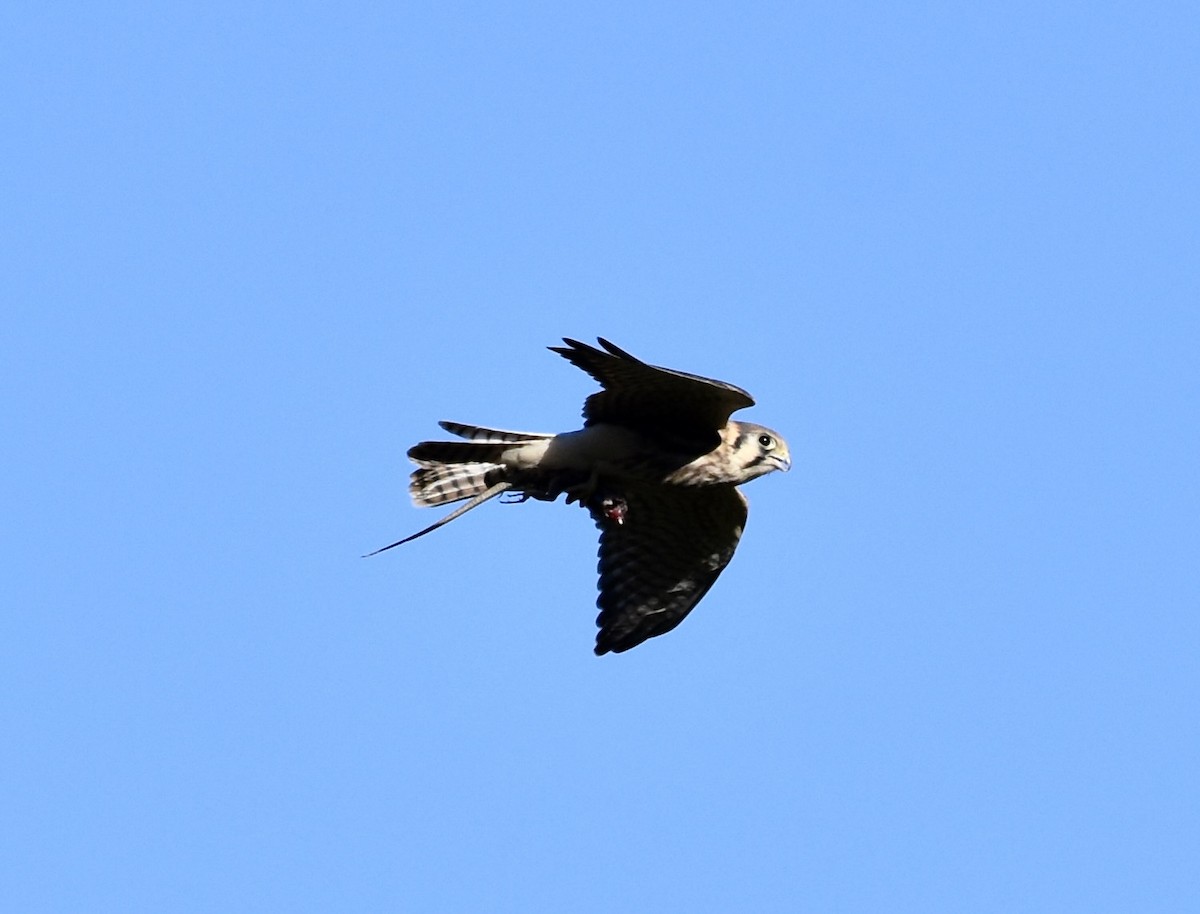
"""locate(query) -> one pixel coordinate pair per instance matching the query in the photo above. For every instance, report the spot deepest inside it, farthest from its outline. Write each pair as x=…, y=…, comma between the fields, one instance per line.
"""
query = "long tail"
x=449, y=471
x=438, y=483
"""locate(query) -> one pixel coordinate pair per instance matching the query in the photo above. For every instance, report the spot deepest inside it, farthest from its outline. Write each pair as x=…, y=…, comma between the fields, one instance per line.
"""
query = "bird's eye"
x=766, y=441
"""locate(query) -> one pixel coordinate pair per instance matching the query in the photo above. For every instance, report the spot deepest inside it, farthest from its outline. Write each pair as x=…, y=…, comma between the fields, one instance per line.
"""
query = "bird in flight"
x=656, y=464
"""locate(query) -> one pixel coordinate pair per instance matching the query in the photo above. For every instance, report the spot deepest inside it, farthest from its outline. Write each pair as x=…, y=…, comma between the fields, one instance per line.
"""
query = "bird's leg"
x=583, y=492
x=516, y=498
x=542, y=488
x=603, y=504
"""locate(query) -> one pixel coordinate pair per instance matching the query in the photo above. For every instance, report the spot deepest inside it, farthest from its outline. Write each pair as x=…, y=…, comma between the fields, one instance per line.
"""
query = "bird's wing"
x=649, y=398
x=657, y=564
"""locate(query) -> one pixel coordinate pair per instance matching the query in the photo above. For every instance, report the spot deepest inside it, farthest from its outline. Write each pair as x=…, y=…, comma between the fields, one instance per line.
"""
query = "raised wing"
x=652, y=399
x=657, y=565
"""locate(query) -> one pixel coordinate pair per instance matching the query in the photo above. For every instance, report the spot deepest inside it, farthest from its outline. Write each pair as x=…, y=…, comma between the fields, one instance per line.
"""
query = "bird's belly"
x=594, y=447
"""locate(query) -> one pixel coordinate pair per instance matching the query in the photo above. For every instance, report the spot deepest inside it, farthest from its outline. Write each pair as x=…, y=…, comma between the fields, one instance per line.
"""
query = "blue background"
x=252, y=252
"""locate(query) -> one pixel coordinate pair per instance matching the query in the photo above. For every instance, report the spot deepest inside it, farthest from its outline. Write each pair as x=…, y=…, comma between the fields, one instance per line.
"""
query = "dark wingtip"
x=575, y=348
x=572, y=347
x=616, y=350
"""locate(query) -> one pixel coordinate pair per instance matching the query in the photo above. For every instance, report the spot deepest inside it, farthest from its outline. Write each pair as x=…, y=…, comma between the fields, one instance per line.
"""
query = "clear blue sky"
x=252, y=252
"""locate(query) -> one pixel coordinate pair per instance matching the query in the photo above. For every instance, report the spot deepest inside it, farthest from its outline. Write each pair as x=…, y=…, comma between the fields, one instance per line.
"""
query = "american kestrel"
x=656, y=464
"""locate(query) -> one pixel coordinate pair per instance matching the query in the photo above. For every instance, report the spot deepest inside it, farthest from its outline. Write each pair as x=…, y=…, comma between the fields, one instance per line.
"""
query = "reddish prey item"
x=615, y=509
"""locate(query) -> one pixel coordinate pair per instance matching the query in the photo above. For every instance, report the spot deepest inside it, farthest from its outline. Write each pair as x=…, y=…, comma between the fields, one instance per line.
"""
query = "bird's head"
x=757, y=450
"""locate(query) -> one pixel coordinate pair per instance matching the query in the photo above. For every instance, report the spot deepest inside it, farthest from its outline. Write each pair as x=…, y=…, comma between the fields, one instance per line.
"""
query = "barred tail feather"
x=453, y=470
x=479, y=433
x=441, y=483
